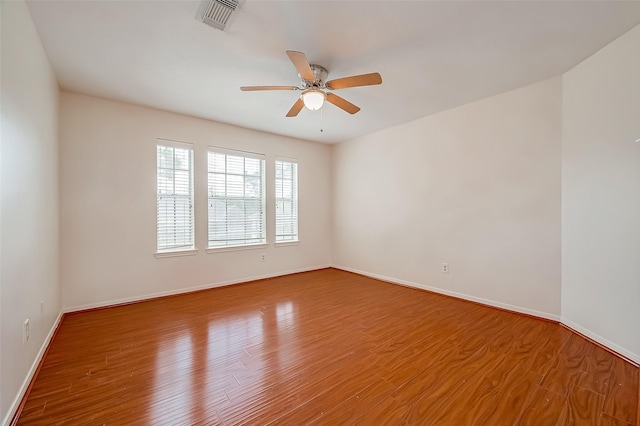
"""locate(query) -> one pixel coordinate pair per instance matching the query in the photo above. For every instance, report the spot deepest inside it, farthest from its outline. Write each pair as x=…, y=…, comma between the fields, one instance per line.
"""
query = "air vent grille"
x=217, y=12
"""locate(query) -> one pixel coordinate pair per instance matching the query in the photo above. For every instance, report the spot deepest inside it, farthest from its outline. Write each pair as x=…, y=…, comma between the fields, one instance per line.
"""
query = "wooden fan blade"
x=295, y=109
x=254, y=88
x=355, y=81
x=302, y=65
x=342, y=103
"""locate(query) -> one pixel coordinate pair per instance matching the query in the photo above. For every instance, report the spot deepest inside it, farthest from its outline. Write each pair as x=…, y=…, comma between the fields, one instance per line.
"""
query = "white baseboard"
x=487, y=302
x=597, y=338
x=186, y=290
x=32, y=371
x=45, y=344
x=563, y=320
x=27, y=380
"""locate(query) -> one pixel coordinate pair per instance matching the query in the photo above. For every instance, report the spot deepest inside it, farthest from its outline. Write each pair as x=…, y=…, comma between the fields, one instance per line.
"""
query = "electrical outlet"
x=25, y=331
x=445, y=268
x=41, y=308
x=263, y=257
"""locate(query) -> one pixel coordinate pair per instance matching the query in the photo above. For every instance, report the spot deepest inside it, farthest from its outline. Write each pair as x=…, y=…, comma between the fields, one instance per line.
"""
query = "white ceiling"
x=433, y=55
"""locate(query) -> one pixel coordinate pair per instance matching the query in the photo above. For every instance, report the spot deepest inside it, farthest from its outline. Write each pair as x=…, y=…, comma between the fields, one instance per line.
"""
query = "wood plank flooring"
x=324, y=347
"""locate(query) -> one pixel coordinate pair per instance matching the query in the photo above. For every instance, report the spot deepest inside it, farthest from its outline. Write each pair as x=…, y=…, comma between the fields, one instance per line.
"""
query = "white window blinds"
x=236, y=198
x=175, y=196
x=286, y=201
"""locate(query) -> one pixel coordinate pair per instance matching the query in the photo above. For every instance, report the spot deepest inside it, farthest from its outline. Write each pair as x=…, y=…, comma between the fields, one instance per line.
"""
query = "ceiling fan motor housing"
x=320, y=73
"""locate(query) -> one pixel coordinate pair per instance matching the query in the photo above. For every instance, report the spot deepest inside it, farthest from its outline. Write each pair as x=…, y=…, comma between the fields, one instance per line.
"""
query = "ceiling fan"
x=314, y=86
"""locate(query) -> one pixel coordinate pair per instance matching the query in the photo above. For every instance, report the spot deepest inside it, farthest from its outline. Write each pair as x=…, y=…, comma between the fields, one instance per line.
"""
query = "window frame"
x=263, y=205
x=295, y=201
x=176, y=250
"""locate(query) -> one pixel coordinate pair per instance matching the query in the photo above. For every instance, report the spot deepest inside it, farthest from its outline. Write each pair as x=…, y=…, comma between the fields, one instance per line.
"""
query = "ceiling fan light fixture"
x=314, y=81
x=313, y=99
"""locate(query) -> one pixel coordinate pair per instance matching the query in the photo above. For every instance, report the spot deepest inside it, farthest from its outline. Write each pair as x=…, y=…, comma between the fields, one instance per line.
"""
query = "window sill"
x=237, y=248
x=162, y=254
x=287, y=243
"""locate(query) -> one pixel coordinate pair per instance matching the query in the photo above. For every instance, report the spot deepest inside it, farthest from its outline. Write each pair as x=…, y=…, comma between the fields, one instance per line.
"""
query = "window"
x=286, y=201
x=175, y=196
x=236, y=198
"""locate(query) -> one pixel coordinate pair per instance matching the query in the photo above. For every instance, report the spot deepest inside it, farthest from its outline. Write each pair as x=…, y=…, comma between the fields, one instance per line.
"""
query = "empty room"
x=223, y=212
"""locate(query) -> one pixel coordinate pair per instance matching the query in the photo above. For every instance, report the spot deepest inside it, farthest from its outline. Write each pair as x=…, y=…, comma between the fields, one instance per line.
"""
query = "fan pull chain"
x=321, y=130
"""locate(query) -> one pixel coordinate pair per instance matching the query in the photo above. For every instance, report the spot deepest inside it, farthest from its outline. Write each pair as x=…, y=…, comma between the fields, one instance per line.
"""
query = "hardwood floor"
x=324, y=347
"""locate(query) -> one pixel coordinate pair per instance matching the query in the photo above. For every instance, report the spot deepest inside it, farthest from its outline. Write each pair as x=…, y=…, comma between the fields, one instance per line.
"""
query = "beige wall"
x=29, y=202
x=601, y=196
x=108, y=203
x=477, y=187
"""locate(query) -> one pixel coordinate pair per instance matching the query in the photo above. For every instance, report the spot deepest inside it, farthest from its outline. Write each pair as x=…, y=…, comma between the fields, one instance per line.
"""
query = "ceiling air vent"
x=216, y=13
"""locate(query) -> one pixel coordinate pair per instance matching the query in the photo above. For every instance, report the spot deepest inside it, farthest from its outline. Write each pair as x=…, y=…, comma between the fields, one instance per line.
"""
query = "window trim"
x=238, y=248
x=175, y=253
x=288, y=243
